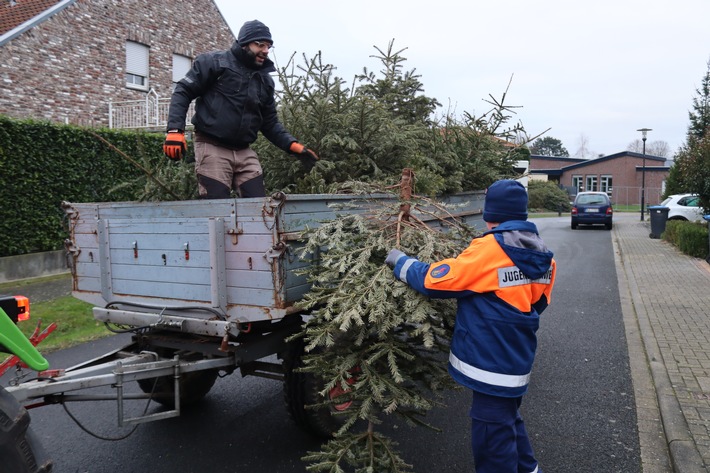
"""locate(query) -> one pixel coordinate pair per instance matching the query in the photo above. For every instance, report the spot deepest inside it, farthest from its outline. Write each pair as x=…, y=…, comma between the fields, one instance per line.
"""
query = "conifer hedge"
x=690, y=238
x=43, y=164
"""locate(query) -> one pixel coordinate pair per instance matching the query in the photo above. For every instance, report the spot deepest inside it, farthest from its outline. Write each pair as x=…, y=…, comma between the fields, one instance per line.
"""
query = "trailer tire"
x=20, y=448
x=193, y=385
x=302, y=390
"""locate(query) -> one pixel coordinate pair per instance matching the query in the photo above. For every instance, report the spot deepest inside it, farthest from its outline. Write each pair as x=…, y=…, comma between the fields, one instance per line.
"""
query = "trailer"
x=206, y=288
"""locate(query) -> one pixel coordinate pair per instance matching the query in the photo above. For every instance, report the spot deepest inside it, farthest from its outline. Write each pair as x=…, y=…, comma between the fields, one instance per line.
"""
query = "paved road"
x=580, y=409
x=242, y=426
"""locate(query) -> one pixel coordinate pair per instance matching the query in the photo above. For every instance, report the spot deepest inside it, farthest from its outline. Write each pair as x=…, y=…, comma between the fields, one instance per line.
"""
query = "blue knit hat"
x=505, y=200
x=254, y=30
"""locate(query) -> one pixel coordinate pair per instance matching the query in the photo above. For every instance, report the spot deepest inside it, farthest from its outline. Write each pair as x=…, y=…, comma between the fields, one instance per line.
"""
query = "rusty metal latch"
x=71, y=247
x=72, y=253
x=273, y=203
x=235, y=232
x=235, y=229
x=71, y=212
x=276, y=251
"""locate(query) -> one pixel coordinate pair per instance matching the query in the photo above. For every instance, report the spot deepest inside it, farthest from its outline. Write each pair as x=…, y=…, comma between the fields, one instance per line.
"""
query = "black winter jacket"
x=234, y=101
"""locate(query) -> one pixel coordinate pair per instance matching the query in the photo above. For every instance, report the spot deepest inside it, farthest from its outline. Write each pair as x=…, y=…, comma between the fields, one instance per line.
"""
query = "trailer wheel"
x=193, y=386
x=303, y=389
x=20, y=448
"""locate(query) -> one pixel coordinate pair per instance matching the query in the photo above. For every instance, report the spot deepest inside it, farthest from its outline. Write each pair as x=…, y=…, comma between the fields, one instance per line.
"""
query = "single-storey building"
x=622, y=175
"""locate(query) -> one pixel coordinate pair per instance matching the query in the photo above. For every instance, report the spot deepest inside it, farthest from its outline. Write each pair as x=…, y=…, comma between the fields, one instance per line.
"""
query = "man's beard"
x=251, y=57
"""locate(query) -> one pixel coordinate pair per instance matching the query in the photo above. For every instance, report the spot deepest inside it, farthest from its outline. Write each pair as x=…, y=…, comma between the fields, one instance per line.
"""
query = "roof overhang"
x=32, y=22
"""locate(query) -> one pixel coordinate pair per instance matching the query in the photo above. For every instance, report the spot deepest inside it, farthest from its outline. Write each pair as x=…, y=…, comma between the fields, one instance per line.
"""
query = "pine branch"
x=146, y=171
x=370, y=334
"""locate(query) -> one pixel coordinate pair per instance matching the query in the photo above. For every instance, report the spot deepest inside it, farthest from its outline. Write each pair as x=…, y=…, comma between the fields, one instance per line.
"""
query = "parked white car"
x=683, y=207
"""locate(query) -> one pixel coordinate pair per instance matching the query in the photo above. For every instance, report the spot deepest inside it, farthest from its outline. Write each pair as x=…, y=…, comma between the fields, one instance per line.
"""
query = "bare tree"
x=656, y=148
x=661, y=148
x=583, y=147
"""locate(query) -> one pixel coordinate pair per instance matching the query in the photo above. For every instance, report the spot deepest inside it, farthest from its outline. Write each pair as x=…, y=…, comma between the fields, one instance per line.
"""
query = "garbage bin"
x=707, y=219
x=659, y=216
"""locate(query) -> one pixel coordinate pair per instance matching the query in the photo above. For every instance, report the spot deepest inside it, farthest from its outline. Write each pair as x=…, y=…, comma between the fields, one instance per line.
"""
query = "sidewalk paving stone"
x=666, y=305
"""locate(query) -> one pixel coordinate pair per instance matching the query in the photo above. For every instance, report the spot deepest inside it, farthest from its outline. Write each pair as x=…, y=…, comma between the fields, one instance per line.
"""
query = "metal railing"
x=632, y=195
x=151, y=112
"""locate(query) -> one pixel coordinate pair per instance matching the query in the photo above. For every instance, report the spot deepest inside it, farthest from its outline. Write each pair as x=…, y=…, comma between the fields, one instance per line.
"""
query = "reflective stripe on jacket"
x=502, y=281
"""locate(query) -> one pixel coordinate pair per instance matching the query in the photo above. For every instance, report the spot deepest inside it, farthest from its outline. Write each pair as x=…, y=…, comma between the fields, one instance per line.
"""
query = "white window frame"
x=577, y=181
x=137, y=65
x=606, y=183
x=590, y=182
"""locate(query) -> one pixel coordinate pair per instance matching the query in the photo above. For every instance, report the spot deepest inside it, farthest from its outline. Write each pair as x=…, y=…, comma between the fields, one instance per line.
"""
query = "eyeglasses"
x=263, y=44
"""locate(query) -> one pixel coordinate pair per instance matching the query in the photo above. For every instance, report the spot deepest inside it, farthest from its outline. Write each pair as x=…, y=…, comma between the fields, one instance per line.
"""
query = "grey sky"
x=599, y=69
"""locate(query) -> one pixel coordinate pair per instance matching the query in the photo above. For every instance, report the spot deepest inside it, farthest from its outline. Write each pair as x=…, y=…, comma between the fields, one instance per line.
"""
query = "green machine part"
x=15, y=342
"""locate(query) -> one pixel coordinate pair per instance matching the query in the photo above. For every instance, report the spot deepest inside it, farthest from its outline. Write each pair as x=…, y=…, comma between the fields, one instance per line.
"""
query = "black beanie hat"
x=505, y=200
x=254, y=30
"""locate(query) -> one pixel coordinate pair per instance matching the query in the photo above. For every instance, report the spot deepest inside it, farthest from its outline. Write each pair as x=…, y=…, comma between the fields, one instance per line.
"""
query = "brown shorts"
x=229, y=167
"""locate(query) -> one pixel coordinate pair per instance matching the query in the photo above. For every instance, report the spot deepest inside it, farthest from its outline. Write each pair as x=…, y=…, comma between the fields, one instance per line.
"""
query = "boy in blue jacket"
x=502, y=281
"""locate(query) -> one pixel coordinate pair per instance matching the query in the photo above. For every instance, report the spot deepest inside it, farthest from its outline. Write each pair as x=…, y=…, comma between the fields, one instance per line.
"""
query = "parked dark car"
x=592, y=208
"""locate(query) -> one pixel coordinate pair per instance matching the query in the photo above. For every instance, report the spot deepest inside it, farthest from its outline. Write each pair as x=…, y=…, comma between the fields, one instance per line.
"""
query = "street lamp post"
x=643, y=131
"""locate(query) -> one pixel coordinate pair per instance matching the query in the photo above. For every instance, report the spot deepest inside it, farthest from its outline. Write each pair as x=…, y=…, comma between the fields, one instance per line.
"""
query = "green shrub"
x=546, y=195
x=690, y=238
x=43, y=164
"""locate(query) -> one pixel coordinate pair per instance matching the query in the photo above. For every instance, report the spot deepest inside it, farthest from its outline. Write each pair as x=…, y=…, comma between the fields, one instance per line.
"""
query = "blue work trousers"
x=498, y=437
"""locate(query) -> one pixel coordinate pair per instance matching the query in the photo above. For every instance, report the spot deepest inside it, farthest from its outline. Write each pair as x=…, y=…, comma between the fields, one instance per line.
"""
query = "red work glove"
x=175, y=145
x=308, y=157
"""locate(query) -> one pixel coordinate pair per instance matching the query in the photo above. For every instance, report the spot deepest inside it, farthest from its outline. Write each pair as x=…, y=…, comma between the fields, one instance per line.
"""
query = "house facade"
x=96, y=62
x=622, y=175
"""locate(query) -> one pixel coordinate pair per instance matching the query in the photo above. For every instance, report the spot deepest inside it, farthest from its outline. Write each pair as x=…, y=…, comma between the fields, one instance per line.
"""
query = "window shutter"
x=136, y=59
x=181, y=65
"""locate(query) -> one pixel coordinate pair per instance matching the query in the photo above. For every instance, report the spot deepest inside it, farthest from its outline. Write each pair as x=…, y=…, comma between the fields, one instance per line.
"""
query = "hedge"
x=690, y=238
x=547, y=195
x=43, y=164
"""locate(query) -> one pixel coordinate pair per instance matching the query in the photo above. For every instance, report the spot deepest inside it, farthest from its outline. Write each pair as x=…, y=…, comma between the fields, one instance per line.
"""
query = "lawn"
x=75, y=323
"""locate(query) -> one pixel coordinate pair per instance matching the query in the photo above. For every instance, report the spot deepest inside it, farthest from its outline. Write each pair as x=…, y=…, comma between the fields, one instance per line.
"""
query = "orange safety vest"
x=502, y=281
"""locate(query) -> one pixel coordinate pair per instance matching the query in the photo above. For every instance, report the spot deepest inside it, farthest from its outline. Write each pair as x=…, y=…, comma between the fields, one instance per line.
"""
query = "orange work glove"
x=308, y=157
x=175, y=145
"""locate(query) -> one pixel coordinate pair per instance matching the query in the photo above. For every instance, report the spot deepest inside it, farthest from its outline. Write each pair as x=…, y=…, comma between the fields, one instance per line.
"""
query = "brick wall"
x=626, y=178
x=68, y=68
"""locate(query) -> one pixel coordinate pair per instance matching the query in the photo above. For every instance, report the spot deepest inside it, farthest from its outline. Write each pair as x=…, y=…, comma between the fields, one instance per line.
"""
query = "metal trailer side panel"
x=191, y=253
x=236, y=256
x=302, y=211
